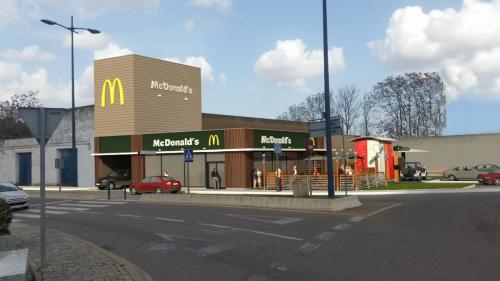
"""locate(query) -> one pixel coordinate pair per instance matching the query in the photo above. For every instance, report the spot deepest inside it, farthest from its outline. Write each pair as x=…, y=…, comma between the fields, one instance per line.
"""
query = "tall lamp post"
x=74, y=154
x=329, y=162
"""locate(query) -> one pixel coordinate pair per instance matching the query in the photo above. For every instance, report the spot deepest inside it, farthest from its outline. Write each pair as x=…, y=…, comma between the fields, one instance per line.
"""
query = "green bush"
x=5, y=217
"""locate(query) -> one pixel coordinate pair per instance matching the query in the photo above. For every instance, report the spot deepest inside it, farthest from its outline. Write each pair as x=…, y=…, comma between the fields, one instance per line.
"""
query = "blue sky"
x=259, y=57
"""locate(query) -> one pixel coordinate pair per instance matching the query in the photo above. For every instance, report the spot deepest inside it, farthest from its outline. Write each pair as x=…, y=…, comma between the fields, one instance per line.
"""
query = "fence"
x=356, y=181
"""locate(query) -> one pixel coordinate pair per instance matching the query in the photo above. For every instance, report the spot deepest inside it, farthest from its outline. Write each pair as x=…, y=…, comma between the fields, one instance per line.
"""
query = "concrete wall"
x=448, y=151
x=61, y=139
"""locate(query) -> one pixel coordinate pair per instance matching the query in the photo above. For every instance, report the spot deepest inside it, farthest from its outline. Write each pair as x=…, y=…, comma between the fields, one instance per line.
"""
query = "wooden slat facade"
x=238, y=164
x=137, y=161
x=97, y=161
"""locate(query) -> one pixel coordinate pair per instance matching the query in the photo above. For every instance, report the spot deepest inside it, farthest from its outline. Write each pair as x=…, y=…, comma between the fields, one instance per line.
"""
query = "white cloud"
x=220, y=4
x=290, y=64
x=32, y=52
x=88, y=41
x=10, y=13
x=189, y=25
x=207, y=75
x=463, y=45
x=9, y=70
x=111, y=50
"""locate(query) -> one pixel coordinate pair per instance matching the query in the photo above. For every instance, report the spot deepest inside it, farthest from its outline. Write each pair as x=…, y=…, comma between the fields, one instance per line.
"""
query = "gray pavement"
x=410, y=237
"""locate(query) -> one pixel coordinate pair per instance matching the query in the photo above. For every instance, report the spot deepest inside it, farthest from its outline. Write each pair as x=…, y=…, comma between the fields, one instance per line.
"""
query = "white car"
x=14, y=195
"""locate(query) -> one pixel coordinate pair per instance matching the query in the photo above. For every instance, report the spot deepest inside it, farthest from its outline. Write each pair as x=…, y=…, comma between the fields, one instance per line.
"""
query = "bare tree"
x=412, y=104
x=366, y=111
x=311, y=109
x=11, y=126
x=346, y=105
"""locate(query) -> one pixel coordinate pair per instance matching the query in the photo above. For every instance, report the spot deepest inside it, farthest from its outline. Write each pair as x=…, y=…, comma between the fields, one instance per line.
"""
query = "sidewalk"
x=70, y=258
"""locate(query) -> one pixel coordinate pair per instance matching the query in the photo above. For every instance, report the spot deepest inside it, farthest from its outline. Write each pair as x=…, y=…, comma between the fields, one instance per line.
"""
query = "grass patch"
x=420, y=185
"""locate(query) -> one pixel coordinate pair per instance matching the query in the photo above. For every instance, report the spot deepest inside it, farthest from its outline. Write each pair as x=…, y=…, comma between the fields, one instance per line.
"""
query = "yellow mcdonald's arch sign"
x=111, y=86
x=213, y=140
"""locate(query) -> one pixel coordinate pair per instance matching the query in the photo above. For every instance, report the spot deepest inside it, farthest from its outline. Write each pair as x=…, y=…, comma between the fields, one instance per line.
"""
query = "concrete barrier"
x=273, y=202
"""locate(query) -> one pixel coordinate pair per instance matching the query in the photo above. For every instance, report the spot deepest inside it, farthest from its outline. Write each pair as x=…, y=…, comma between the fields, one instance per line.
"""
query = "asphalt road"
x=408, y=237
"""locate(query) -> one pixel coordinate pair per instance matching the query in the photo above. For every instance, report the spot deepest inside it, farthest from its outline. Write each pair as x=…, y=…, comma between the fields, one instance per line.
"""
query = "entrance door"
x=24, y=167
x=67, y=167
x=220, y=166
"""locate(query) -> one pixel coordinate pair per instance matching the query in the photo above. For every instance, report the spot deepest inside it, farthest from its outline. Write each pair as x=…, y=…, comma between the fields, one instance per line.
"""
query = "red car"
x=157, y=184
x=490, y=178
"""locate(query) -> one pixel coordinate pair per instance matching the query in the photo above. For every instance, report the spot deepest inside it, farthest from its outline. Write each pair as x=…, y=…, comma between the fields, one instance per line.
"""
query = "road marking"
x=356, y=219
x=15, y=220
x=83, y=205
x=279, y=266
x=268, y=219
x=126, y=215
x=308, y=247
x=383, y=209
x=92, y=213
x=50, y=203
x=342, y=226
x=253, y=231
x=325, y=236
x=13, y=263
x=31, y=216
x=174, y=220
x=47, y=211
x=103, y=202
x=66, y=208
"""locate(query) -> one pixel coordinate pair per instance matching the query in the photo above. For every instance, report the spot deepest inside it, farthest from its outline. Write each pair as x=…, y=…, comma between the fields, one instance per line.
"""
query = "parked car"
x=490, y=178
x=413, y=170
x=115, y=178
x=469, y=172
x=14, y=195
x=462, y=173
x=157, y=184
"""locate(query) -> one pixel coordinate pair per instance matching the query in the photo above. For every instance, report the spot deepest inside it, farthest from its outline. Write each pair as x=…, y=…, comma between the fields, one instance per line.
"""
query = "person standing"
x=165, y=173
x=254, y=178
x=216, y=178
x=259, y=178
x=278, y=179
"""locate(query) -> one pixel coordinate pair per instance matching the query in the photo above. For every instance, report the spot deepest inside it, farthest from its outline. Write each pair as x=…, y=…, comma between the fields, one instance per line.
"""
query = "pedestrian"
x=294, y=172
x=165, y=173
x=278, y=179
x=216, y=178
x=259, y=178
x=254, y=178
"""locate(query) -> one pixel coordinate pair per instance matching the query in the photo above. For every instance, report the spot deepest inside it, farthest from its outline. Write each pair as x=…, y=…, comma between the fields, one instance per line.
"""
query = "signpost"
x=42, y=122
x=188, y=158
x=310, y=151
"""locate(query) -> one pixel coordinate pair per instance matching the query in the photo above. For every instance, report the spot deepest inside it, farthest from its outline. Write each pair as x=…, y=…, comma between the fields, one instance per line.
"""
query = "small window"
x=146, y=180
x=155, y=179
x=168, y=178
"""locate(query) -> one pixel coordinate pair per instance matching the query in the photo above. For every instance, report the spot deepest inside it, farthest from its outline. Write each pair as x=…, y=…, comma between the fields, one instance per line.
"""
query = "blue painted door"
x=24, y=168
x=66, y=171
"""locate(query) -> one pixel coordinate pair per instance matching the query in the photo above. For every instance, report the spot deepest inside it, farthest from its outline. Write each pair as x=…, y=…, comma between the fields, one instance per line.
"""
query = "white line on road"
x=325, y=236
x=103, y=202
x=356, y=219
x=383, y=209
x=342, y=226
x=14, y=220
x=125, y=215
x=50, y=203
x=92, y=213
x=47, y=211
x=31, y=216
x=84, y=205
x=66, y=208
x=174, y=220
x=253, y=231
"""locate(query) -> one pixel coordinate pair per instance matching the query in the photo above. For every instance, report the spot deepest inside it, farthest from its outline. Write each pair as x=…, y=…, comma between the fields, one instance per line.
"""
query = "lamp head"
x=93, y=31
x=49, y=22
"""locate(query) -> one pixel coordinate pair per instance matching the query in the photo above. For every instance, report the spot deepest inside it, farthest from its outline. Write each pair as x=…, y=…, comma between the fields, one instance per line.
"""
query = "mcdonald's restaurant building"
x=147, y=111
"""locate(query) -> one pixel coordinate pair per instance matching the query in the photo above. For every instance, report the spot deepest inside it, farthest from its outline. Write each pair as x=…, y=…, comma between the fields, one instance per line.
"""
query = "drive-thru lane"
x=423, y=237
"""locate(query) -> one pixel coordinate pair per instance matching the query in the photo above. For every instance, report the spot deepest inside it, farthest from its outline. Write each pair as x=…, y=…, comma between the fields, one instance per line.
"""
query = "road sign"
x=318, y=128
x=188, y=155
x=309, y=147
x=277, y=148
x=32, y=118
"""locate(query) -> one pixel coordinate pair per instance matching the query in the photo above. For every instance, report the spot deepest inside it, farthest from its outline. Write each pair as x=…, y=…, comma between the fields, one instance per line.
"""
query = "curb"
x=303, y=204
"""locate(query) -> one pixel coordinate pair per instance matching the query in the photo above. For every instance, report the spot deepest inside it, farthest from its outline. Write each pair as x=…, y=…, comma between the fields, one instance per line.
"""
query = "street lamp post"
x=74, y=154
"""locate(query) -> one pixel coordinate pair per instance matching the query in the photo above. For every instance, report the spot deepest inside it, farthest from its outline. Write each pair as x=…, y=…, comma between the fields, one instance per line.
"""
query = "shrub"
x=5, y=217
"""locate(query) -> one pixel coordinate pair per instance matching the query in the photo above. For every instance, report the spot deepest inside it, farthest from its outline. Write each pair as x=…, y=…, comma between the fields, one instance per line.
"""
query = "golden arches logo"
x=111, y=86
x=213, y=140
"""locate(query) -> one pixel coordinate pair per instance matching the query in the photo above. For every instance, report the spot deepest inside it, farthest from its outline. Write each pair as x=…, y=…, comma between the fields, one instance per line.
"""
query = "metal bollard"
x=109, y=193
x=125, y=193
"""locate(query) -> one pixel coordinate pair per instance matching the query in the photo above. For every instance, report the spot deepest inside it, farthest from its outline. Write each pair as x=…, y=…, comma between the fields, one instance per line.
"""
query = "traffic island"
x=324, y=204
